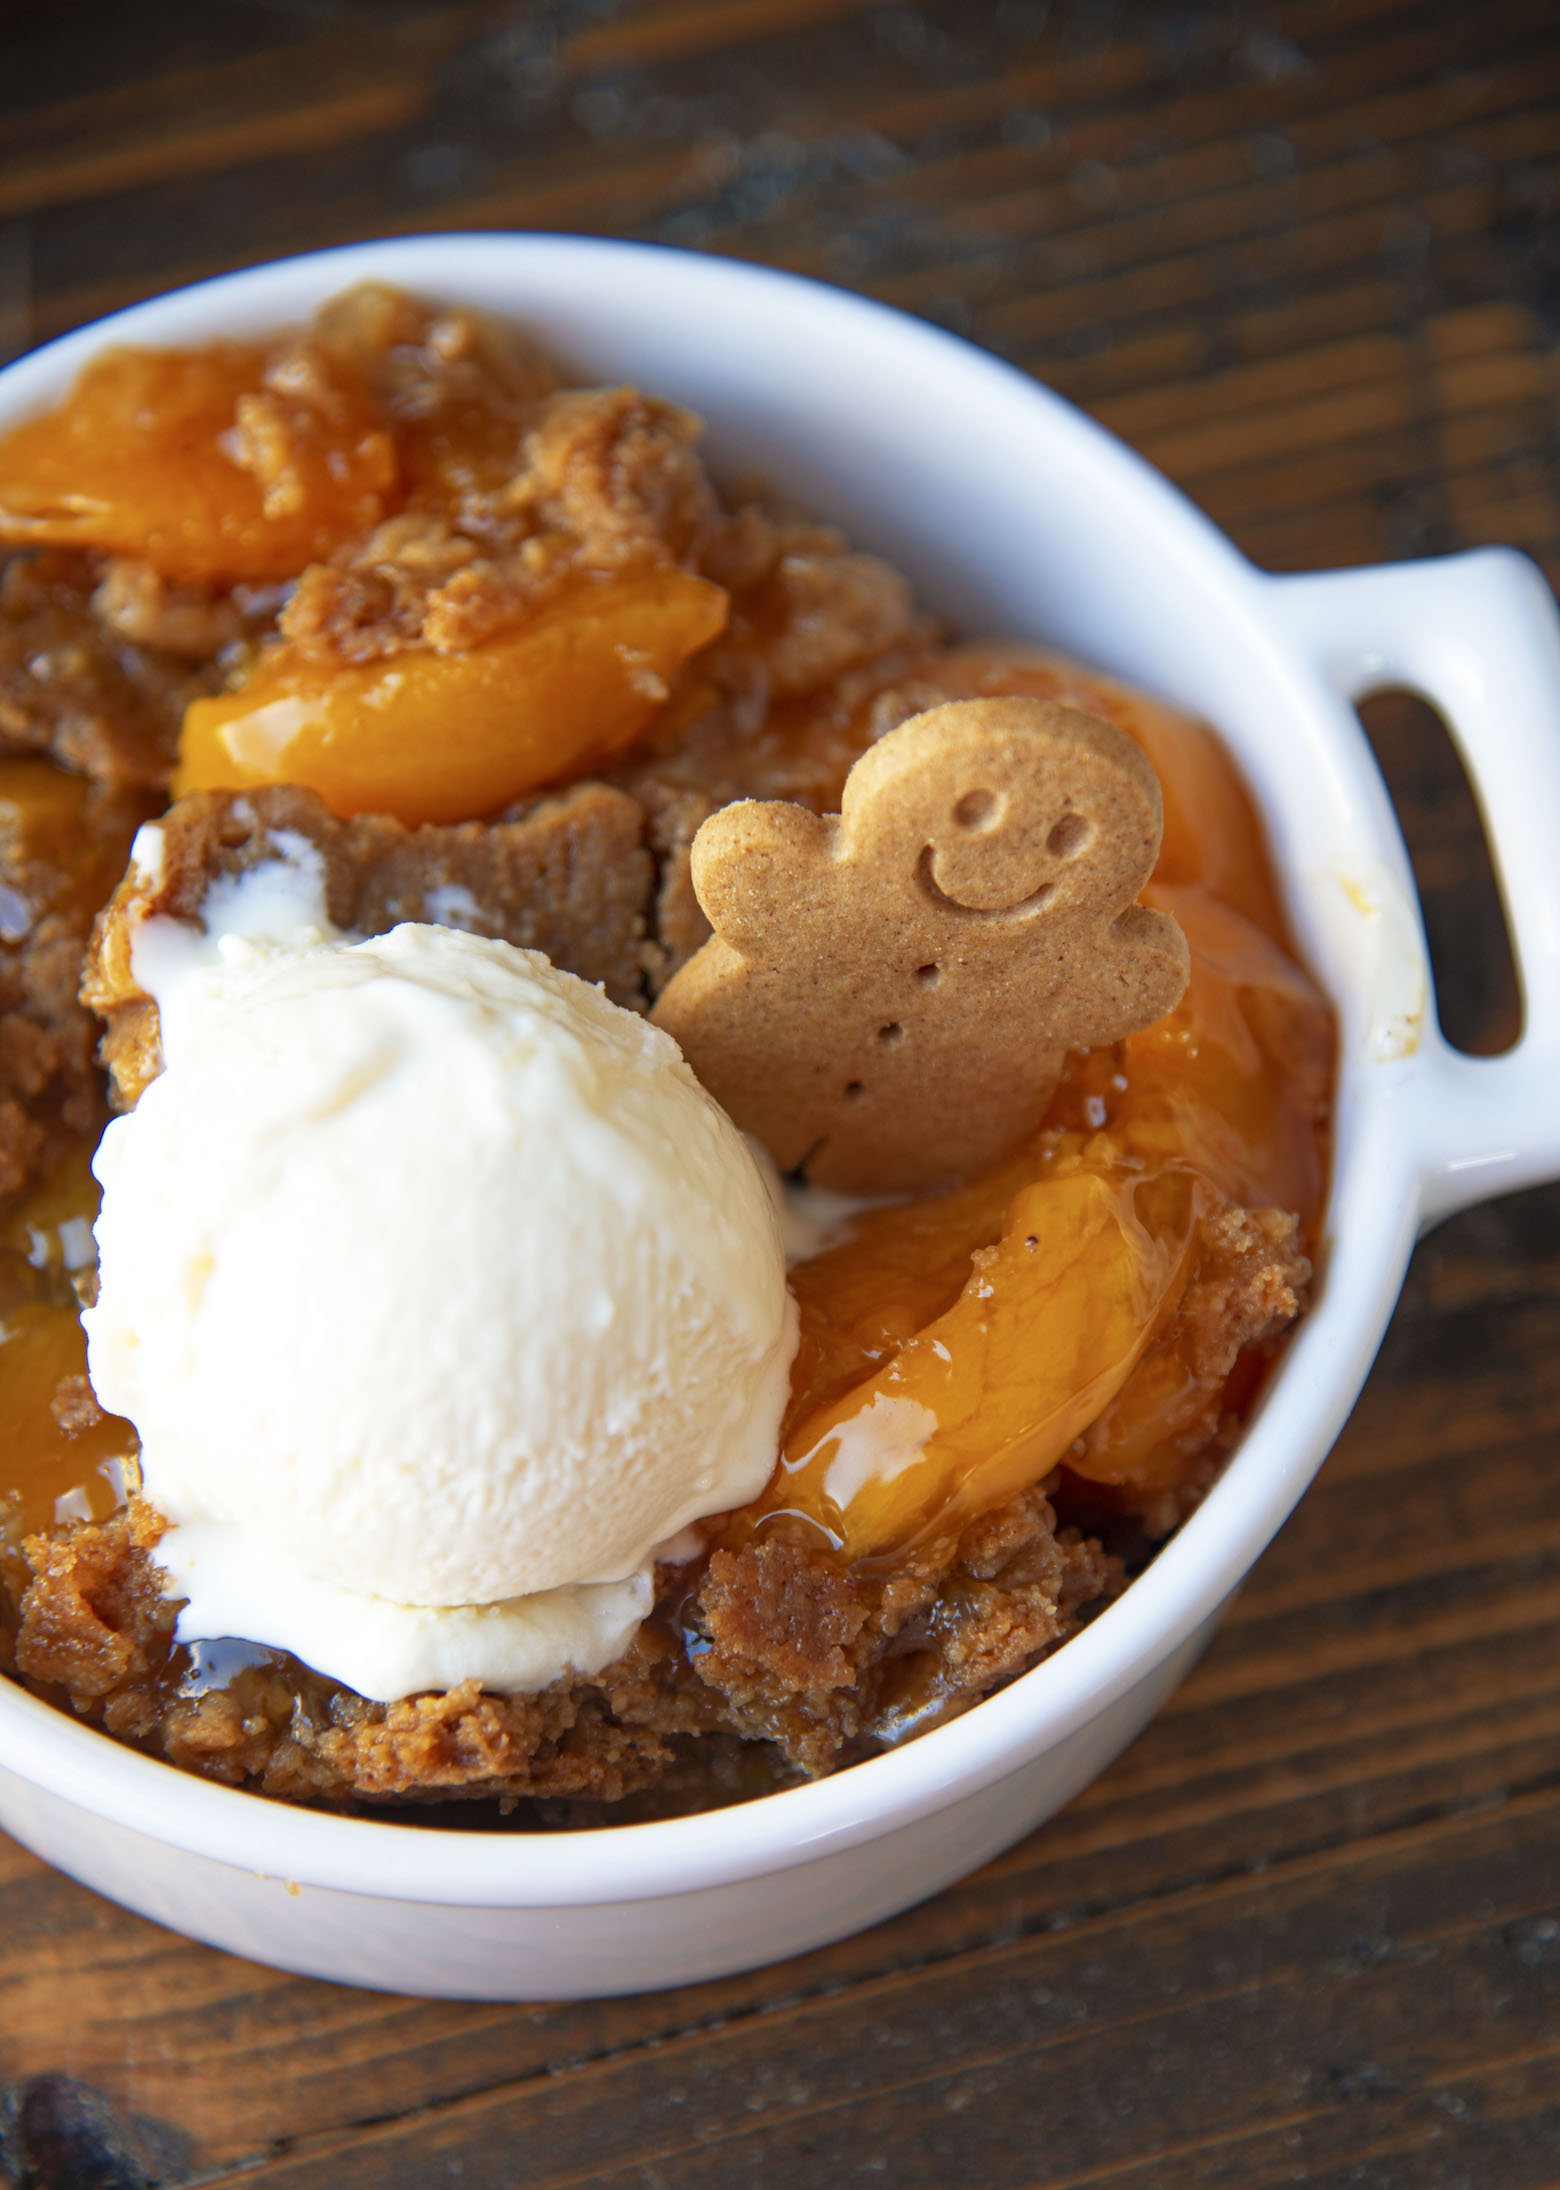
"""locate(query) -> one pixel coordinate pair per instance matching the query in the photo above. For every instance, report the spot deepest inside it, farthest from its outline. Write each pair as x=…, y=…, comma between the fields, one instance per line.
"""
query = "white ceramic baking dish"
x=1015, y=515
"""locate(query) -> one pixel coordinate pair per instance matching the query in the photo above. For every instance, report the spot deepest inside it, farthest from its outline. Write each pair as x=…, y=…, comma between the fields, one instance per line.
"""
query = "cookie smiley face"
x=889, y=995
x=964, y=798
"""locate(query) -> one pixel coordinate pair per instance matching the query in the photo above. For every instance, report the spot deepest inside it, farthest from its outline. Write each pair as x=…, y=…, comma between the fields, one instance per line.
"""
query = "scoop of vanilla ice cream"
x=435, y=1275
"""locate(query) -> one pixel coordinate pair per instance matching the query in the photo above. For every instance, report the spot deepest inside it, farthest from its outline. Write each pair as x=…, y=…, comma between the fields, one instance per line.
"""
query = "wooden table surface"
x=1307, y=258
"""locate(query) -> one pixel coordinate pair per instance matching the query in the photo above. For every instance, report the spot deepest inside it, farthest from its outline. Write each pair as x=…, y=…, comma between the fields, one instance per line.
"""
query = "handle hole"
x=1478, y=1001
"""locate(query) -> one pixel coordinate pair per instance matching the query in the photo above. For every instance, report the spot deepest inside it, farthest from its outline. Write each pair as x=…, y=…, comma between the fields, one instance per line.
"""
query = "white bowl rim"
x=1193, y=1573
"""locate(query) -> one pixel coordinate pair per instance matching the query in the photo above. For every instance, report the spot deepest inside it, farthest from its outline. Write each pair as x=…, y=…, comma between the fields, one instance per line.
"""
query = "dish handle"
x=1478, y=636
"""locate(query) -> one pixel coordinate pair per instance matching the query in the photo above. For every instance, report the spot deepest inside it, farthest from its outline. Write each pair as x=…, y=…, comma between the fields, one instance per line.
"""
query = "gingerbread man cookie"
x=889, y=993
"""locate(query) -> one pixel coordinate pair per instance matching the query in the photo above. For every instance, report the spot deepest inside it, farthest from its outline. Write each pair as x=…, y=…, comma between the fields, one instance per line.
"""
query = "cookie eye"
x=892, y=1035
x=978, y=810
x=1070, y=836
x=928, y=976
x=854, y=1090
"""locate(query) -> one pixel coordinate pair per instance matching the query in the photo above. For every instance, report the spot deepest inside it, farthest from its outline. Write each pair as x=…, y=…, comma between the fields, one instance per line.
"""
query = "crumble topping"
x=572, y=876
x=787, y=1650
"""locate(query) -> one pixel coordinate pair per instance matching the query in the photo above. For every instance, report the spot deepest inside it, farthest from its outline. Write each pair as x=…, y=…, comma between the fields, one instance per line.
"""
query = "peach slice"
x=187, y=460
x=433, y=737
x=989, y=1395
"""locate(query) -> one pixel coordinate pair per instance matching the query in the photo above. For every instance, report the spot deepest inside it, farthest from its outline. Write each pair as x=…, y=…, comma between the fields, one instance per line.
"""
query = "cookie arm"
x=747, y=863
x=1144, y=967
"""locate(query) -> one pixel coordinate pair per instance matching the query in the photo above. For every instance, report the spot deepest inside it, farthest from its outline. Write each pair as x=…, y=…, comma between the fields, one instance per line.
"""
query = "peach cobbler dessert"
x=627, y=1173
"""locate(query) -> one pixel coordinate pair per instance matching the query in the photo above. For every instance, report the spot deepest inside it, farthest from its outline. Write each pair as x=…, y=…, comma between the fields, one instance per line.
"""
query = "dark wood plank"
x=1004, y=2065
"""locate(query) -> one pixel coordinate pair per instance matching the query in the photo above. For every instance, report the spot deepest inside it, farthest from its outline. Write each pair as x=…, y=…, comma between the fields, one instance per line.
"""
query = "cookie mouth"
x=1022, y=908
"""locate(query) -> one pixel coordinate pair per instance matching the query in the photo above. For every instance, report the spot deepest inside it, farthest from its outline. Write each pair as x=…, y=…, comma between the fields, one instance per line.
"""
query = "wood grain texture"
x=1307, y=257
